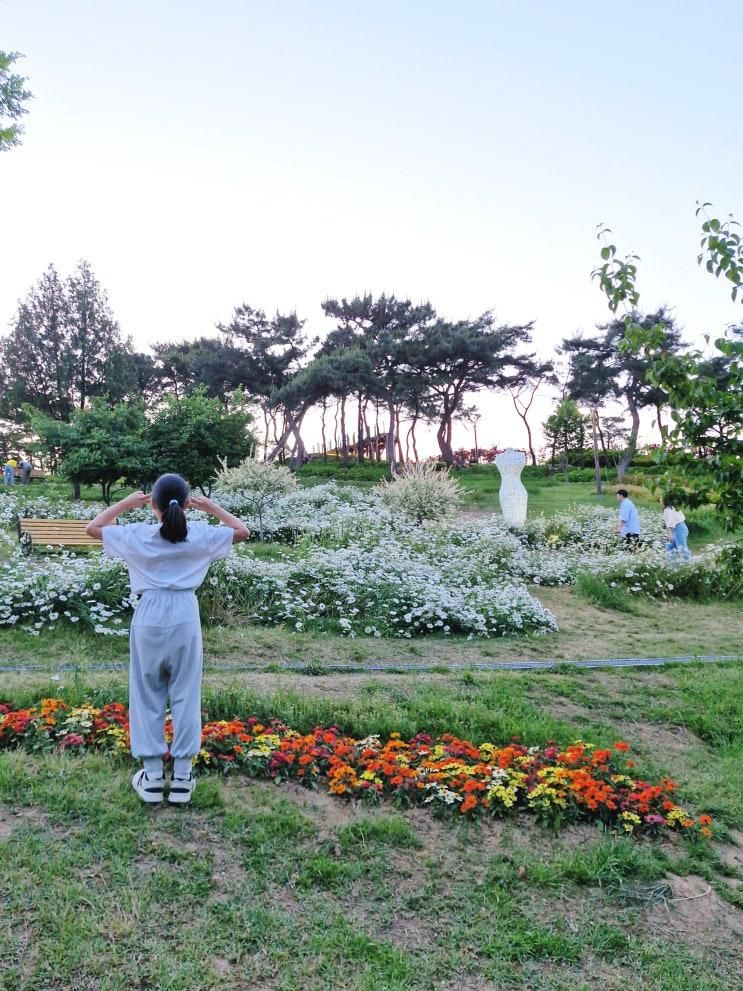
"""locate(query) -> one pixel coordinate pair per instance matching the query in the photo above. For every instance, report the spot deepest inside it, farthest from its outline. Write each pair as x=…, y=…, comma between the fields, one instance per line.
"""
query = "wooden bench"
x=35, y=473
x=33, y=532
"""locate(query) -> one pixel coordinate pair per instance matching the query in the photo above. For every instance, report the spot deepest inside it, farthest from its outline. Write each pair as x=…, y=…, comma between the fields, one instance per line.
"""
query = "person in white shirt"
x=677, y=531
x=167, y=562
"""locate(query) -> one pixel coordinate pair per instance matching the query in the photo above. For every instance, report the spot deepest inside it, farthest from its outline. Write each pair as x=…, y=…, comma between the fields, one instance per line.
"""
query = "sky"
x=201, y=155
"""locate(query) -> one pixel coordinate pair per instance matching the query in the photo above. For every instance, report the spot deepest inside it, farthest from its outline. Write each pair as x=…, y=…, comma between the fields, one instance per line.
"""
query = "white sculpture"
x=513, y=496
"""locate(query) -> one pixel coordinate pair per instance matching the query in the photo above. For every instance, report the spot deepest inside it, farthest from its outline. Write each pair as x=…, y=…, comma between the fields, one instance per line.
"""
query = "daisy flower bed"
x=580, y=782
x=341, y=563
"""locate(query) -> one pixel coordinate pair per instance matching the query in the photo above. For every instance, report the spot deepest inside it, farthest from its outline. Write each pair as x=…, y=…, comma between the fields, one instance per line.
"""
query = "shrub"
x=422, y=492
x=255, y=486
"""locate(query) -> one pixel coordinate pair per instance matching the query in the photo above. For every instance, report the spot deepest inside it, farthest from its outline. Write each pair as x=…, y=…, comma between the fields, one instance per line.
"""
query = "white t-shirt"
x=672, y=517
x=156, y=563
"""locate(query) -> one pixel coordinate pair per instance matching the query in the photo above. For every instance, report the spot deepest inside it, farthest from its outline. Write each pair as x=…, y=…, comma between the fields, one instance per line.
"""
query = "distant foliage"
x=13, y=96
x=421, y=492
x=190, y=436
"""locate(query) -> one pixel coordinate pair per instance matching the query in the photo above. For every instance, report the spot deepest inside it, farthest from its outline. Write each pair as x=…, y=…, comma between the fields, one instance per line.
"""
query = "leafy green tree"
x=65, y=348
x=13, y=96
x=454, y=360
x=269, y=353
x=331, y=374
x=565, y=430
x=383, y=329
x=207, y=362
x=602, y=369
x=101, y=445
x=703, y=449
x=193, y=435
x=36, y=356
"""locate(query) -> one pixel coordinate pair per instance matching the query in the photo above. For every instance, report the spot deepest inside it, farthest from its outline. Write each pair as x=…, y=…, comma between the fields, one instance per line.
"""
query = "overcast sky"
x=205, y=154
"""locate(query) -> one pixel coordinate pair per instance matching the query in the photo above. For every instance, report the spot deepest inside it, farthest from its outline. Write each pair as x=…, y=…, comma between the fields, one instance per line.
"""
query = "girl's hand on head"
x=136, y=500
x=200, y=502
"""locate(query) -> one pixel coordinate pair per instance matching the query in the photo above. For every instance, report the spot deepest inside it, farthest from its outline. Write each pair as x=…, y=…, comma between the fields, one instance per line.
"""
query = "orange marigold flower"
x=468, y=804
x=622, y=746
x=705, y=820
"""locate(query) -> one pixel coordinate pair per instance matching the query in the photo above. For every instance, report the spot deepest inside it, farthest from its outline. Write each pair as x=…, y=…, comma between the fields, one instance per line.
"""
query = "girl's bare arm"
x=240, y=532
x=133, y=501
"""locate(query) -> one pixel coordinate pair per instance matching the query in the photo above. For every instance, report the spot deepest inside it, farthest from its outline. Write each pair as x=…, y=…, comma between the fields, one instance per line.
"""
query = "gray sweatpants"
x=165, y=664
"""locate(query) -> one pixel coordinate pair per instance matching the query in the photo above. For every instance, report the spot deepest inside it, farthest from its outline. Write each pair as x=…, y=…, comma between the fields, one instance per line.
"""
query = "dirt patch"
x=695, y=914
x=732, y=855
x=12, y=819
x=664, y=742
x=406, y=933
x=200, y=839
x=564, y=708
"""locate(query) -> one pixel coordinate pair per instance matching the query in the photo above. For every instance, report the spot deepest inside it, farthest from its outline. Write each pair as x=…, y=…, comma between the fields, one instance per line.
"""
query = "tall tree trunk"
x=75, y=490
x=629, y=453
x=360, y=432
x=411, y=436
x=443, y=436
x=322, y=427
x=659, y=420
x=367, y=432
x=335, y=426
x=391, y=440
x=400, y=455
x=377, y=450
x=344, y=438
x=265, y=424
x=280, y=444
x=596, y=458
x=601, y=438
x=531, y=442
x=532, y=455
x=292, y=425
x=300, y=452
x=415, y=446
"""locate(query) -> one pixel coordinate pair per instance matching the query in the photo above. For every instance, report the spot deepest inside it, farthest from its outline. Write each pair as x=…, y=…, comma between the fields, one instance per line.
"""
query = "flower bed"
x=346, y=565
x=579, y=782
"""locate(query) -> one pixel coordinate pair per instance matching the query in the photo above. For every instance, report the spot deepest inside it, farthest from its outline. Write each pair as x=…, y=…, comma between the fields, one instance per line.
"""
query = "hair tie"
x=173, y=502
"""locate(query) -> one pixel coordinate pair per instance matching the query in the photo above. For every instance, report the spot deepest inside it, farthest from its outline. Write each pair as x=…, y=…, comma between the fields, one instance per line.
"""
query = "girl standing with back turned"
x=167, y=562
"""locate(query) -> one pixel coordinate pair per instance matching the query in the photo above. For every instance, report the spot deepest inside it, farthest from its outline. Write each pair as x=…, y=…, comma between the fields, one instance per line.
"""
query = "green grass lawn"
x=277, y=887
x=285, y=889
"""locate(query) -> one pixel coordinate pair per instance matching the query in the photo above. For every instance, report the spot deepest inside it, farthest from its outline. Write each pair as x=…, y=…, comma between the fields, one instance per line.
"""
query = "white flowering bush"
x=421, y=492
x=707, y=575
x=386, y=590
x=254, y=486
x=91, y=590
x=330, y=513
x=16, y=503
x=350, y=565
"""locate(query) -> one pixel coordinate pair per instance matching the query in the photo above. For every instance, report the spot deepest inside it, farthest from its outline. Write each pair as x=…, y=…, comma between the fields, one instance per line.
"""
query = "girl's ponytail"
x=169, y=494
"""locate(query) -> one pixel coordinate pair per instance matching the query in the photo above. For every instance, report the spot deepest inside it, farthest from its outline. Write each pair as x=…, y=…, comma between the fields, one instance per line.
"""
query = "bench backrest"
x=67, y=533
